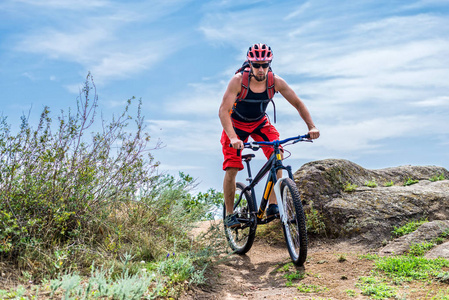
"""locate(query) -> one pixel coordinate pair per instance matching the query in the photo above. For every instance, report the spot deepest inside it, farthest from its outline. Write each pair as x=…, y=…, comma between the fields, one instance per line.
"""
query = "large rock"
x=371, y=213
x=439, y=251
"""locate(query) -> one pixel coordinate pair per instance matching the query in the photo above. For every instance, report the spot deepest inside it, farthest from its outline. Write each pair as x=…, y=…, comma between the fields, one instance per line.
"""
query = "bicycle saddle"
x=248, y=157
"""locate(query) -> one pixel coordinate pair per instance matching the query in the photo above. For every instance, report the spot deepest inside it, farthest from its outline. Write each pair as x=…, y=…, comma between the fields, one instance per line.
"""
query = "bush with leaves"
x=70, y=195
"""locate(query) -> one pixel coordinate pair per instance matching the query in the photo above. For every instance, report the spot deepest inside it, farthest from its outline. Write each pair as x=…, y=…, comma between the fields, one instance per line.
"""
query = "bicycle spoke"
x=241, y=238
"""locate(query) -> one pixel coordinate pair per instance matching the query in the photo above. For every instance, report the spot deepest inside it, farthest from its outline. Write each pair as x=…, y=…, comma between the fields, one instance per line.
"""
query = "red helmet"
x=258, y=52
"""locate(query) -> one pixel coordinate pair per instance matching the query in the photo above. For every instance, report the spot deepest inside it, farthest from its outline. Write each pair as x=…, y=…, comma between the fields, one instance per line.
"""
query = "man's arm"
x=290, y=95
x=229, y=97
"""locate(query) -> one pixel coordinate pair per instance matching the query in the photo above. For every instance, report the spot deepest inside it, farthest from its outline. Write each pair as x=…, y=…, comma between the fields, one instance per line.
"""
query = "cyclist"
x=246, y=117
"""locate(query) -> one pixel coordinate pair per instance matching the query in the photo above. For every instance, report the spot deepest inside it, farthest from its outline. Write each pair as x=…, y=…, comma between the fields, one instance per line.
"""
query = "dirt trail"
x=332, y=269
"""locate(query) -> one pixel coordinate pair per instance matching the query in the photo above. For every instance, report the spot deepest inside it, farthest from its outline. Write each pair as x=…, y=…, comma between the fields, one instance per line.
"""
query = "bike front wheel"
x=241, y=239
x=294, y=222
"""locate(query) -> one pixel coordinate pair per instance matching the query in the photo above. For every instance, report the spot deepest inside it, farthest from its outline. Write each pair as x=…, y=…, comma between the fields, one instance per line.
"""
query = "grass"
x=420, y=249
x=371, y=183
x=411, y=267
x=376, y=288
x=314, y=220
x=408, y=228
x=310, y=288
x=388, y=184
x=351, y=293
x=410, y=181
x=342, y=258
x=349, y=187
x=437, y=177
x=297, y=275
x=391, y=275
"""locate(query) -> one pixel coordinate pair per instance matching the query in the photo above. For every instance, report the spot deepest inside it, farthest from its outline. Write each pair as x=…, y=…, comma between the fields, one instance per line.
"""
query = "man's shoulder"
x=237, y=79
x=280, y=84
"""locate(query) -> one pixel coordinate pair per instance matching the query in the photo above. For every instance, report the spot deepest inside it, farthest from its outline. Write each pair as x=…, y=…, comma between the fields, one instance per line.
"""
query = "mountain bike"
x=291, y=212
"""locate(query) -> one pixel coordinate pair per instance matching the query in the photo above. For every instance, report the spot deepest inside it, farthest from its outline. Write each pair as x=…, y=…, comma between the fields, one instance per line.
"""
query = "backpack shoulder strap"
x=245, y=83
x=270, y=84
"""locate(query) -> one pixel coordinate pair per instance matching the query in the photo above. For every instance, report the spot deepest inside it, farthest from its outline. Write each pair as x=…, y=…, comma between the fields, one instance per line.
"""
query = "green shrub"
x=371, y=183
x=410, y=181
x=349, y=187
x=388, y=184
x=408, y=228
x=420, y=249
x=70, y=195
x=437, y=177
x=314, y=220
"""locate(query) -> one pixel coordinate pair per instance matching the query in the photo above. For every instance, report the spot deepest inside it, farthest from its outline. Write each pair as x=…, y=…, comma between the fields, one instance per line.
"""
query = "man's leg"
x=265, y=131
x=272, y=199
x=229, y=189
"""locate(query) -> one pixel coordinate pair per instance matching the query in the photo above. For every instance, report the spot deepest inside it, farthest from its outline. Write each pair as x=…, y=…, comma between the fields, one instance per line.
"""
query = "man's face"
x=260, y=69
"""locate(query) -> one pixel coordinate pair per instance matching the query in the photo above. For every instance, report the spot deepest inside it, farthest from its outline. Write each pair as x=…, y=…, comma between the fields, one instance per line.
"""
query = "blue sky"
x=374, y=74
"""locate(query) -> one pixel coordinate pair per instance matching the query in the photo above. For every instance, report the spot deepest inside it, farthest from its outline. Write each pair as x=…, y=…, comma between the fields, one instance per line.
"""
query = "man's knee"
x=232, y=171
x=229, y=178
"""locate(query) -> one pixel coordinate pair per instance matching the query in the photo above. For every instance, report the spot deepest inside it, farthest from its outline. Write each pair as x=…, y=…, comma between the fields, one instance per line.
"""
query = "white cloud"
x=114, y=42
x=202, y=99
x=66, y=4
x=74, y=46
x=433, y=102
x=200, y=136
x=299, y=11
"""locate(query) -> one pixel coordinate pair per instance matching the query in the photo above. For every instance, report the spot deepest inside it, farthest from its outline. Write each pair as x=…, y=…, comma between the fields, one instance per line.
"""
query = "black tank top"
x=252, y=108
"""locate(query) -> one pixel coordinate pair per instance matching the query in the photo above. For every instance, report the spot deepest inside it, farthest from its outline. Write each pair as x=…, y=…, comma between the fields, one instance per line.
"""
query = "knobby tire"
x=295, y=232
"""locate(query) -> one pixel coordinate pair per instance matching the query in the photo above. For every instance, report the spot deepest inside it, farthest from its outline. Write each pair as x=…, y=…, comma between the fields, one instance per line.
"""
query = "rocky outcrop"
x=371, y=213
x=439, y=251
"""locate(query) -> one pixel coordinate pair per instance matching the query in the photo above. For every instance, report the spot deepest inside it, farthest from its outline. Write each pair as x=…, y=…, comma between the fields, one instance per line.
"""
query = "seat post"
x=248, y=167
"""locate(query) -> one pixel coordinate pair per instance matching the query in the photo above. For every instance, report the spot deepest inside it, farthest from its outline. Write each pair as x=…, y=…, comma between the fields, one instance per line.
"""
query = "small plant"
x=314, y=220
x=443, y=277
x=408, y=228
x=371, y=183
x=351, y=293
x=286, y=267
x=297, y=275
x=375, y=288
x=410, y=181
x=349, y=187
x=15, y=294
x=388, y=184
x=310, y=288
x=177, y=268
x=437, y=177
x=342, y=258
x=421, y=248
x=369, y=256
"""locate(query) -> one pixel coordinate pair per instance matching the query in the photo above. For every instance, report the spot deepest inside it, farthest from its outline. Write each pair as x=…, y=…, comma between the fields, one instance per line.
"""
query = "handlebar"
x=256, y=145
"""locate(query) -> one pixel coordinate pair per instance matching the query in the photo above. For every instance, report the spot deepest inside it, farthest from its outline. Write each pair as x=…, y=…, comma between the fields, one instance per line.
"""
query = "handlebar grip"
x=239, y=151
x=307, y=136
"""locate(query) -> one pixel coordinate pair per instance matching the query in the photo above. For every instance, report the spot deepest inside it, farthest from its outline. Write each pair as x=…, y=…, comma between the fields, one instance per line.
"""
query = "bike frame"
x=273, y=165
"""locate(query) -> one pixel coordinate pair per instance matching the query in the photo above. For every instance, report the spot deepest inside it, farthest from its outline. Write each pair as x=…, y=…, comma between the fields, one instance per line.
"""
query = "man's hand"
x=236, y=143
x=314, y=133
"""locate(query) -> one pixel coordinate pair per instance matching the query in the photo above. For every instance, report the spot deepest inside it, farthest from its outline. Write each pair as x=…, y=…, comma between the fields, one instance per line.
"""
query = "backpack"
x=245, y=70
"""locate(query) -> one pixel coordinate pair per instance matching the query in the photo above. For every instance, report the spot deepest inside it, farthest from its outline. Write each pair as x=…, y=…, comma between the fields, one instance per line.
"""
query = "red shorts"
x=259, y=131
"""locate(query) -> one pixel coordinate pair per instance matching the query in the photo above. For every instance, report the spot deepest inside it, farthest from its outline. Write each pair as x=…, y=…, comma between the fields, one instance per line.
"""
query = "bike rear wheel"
x=294, y=226
x=241, y=239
